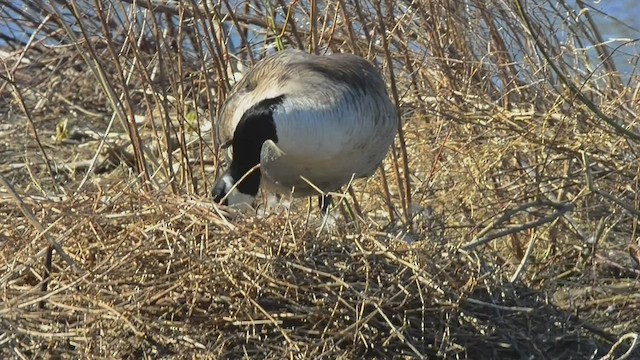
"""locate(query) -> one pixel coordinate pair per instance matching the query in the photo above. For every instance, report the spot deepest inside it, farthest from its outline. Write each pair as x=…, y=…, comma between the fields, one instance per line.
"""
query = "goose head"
x=226, y=192
x=241, y=181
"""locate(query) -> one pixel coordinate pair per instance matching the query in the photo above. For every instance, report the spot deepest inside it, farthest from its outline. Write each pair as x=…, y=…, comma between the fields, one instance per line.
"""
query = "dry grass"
x=167, y=276
x=503, y=224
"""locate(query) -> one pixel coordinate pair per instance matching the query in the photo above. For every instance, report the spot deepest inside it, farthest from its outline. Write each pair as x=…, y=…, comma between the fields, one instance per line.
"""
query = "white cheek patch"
x=234, y=196
x=228, y=182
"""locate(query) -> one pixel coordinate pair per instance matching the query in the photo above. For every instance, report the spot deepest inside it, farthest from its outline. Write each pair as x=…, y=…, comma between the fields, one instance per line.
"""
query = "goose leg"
x=324, y=202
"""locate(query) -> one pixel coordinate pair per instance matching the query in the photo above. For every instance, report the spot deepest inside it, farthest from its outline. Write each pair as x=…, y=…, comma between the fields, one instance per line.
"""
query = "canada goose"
x=311, y=122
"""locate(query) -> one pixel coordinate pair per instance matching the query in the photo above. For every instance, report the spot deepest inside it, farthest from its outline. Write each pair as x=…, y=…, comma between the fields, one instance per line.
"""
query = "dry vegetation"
x=503, y=224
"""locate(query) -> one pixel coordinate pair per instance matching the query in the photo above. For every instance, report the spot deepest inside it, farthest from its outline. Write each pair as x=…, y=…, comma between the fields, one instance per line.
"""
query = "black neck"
x=255, y=127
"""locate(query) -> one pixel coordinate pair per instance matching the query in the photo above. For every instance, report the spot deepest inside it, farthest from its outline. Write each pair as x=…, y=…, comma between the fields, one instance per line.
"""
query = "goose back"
x=332, y=115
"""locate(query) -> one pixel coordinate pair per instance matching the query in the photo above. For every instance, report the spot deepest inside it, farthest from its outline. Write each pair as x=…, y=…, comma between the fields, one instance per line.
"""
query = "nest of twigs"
x=503, y=223
x=167, y=276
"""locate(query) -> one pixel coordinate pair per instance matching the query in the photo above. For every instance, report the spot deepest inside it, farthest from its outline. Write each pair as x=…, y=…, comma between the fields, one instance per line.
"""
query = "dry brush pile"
x=502, y=225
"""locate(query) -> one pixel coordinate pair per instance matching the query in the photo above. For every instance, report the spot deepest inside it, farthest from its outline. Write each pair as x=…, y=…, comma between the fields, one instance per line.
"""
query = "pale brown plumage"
x=332, y=118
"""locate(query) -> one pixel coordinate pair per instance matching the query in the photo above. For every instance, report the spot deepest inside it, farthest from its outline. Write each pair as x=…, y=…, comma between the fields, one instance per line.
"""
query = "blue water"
x=618, y=22
x=623, y=20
